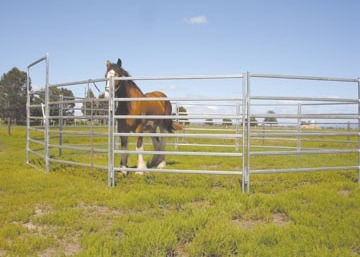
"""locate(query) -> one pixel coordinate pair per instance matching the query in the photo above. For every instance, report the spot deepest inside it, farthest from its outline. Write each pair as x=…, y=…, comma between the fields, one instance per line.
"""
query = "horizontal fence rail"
x=253, y=130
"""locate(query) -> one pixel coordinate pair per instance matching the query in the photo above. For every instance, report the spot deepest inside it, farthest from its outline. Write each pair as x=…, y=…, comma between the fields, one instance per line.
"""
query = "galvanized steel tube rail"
x=243, y=130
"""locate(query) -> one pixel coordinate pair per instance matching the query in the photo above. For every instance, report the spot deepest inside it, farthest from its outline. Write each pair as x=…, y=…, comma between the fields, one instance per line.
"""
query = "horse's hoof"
x=142, y=166
x=161, y=165
x=124, y=172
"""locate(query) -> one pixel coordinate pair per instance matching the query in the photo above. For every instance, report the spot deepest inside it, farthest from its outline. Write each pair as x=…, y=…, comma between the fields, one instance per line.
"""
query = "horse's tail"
x=170, y=124
x=173, y=125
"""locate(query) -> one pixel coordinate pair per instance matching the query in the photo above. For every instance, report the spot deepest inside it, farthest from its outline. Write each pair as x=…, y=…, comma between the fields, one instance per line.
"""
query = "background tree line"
x=13, y=96
x=13, y=99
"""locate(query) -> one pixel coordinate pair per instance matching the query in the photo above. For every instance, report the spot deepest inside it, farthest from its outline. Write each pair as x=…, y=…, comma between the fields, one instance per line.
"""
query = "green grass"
x=72, y=212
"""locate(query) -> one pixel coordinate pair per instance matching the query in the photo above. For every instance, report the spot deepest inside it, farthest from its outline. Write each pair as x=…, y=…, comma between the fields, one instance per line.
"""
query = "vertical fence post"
x=176, y=139
x=28, y=115
x=28, y=112
x=238, y=112
x=47, y=113
x=348, y=136
x=111, y=141
x=298, y=137
x=92, y=124
x=61, y=114
x=246, y=133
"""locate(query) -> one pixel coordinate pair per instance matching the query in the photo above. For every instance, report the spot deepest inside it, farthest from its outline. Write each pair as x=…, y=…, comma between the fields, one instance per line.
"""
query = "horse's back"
x=155, y=94
x=164, y=106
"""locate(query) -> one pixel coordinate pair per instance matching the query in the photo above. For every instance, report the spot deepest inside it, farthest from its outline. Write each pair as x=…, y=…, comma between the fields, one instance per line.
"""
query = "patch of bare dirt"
x=279, y=219
x=356, y=250
x=39, y=211
x=68, y=248
x=344, y=192
x=3, y=253
x=248, y=224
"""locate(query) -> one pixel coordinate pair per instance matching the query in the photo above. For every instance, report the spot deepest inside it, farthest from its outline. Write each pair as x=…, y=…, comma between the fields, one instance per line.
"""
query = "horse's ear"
x=108, y=64
x=119, y=62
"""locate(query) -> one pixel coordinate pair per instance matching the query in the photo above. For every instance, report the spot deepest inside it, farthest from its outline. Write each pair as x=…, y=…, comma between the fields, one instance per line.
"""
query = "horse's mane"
x=128, y=84
x=126, y=89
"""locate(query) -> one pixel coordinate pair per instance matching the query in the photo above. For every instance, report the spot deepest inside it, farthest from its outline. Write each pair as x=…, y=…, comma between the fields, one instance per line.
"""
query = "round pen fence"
x=238, y=125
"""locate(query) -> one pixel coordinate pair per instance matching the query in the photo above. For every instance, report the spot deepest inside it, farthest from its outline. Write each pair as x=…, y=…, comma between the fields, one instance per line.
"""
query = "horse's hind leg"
x=124, y=157
x=156, y=157
x=158, y=160
x=161, y=159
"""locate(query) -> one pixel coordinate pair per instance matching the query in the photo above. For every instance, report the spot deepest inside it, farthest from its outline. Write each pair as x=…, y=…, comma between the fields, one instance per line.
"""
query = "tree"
x=93, y=106
x=209, y=122
x=13, y=96
x=36, y=111
x=253, y=122
x=103, y=106
x=67, y=106
x=271, y=119
x=183, y=112
x=89, y=106
x=227, y=122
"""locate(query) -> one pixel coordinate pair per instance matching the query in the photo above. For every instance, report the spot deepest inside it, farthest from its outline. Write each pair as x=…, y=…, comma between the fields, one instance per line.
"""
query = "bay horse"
x=128, y=89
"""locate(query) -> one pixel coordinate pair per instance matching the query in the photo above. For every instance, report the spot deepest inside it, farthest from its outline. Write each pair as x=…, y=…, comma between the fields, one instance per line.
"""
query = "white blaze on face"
x=111, y=73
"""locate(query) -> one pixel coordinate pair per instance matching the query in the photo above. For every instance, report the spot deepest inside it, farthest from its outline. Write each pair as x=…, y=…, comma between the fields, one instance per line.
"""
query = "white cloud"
x=172, y=87
x=196, y=20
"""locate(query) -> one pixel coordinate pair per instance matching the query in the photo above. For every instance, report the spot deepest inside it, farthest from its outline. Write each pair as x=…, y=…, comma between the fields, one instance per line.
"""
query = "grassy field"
x=72, y=212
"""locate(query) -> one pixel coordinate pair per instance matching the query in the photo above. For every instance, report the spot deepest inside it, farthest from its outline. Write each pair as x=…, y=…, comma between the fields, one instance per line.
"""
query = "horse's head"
x=113, y=70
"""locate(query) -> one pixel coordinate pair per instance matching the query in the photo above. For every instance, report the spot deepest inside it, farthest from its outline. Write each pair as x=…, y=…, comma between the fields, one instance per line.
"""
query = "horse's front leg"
x=139, y=147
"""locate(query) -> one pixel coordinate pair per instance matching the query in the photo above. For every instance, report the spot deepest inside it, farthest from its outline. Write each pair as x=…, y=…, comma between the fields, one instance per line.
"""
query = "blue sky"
x=304, y=37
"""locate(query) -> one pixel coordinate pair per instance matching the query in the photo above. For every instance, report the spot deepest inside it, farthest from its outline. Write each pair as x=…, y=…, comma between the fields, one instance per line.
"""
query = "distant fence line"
x=303, y=127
